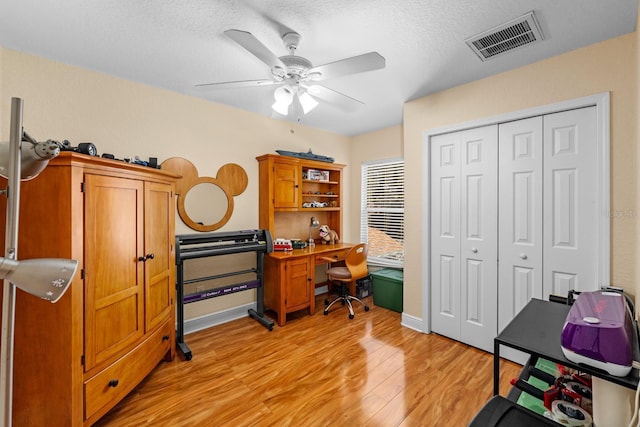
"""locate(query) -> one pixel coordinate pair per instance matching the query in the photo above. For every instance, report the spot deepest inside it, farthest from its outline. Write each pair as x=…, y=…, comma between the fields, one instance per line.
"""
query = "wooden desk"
x=289, y=277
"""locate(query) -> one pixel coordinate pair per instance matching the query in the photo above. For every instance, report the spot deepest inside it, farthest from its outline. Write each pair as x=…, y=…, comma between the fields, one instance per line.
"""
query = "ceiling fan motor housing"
x=297, y=66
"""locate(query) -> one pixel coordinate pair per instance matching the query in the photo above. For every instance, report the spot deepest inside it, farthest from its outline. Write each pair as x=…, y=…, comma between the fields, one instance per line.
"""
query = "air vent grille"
x=514, y=34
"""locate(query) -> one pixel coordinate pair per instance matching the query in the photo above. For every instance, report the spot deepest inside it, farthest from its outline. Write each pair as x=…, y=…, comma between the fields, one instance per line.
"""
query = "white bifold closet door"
x=521, y=216
x=548, y=208
x=571, y=216
x=463, y=228
x=513, y=214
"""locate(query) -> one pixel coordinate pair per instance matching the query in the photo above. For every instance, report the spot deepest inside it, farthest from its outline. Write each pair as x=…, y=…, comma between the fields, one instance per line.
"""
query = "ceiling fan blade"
x=253, y=45
x=236, y=84
x=340, y=100
x=356, y=64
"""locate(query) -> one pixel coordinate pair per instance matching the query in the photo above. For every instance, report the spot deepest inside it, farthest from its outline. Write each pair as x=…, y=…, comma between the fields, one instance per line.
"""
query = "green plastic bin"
x=387, y=288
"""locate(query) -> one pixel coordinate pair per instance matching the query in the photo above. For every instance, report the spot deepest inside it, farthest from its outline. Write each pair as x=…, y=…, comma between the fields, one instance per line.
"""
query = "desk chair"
x=355, y=268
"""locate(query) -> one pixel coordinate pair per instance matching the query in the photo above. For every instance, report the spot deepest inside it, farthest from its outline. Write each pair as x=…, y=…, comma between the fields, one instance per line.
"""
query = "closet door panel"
x=445, y=232
x=520, y=212
x=571, y=200
x=479, y=229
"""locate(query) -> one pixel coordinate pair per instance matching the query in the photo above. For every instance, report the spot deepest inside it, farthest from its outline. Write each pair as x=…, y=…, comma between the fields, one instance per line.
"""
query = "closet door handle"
x=474, y=250
x=114, y=383
x=523, y=256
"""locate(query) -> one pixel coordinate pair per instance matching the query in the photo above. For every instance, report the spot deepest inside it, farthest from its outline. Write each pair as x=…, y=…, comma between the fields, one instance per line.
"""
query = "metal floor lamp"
x=47, y=278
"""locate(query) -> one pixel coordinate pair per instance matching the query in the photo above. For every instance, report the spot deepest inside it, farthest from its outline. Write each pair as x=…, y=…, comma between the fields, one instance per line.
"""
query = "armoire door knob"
x=523, y=256
x=474, y=250
x=146, y=257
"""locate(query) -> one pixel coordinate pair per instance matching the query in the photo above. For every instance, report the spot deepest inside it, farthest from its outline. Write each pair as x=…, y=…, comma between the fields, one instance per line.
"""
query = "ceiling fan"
x=295, y=76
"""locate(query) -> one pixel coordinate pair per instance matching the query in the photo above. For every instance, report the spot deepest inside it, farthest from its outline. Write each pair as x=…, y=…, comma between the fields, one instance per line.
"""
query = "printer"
x=599, y=332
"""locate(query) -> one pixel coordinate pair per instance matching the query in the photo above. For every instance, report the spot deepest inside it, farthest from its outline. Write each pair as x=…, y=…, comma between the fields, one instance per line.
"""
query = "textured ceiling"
x=176, y=44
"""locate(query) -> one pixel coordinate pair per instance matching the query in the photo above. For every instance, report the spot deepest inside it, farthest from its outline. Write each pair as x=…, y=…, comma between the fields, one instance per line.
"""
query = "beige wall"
x=127, y=119
x=609, y=66
x=379, y=145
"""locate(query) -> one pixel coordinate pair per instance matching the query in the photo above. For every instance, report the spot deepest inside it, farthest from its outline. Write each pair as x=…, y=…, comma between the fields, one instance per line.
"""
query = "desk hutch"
x=75, y=359
x=288, y=185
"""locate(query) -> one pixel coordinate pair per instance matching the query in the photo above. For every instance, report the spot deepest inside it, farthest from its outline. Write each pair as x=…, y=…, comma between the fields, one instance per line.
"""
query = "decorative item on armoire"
x=206, y=203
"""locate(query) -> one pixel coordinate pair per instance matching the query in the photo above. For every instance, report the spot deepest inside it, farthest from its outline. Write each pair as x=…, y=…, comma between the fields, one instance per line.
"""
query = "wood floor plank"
x=316, y=371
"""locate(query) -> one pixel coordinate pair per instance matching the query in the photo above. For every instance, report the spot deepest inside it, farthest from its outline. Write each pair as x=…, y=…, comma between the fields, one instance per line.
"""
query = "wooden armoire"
x=75, y=359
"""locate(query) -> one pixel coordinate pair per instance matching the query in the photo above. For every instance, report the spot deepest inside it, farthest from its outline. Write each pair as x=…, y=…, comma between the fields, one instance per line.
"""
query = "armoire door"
x=464, y=235
x=159, y=217
x=114, y=293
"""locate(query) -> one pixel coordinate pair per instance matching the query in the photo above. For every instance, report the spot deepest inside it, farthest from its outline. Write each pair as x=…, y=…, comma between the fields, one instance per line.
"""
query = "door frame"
x=602, y=103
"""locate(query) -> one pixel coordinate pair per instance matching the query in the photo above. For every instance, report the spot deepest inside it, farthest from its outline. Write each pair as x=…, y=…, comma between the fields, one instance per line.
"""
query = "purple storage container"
x=599, y=332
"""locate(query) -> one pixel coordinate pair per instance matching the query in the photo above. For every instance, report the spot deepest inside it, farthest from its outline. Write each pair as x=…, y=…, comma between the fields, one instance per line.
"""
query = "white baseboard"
x=218, y=318
x=321, y=290
x=411, y=322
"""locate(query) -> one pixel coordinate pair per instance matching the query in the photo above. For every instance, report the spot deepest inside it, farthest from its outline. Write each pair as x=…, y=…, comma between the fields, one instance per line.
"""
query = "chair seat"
x=339, y=273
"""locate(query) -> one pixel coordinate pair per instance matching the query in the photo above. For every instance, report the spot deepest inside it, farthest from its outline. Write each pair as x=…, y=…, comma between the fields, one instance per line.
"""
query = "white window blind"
x=382, y=212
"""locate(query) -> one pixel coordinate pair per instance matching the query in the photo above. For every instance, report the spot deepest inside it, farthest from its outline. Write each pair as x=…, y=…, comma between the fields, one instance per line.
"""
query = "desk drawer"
x=337, y=255
x=108, y=387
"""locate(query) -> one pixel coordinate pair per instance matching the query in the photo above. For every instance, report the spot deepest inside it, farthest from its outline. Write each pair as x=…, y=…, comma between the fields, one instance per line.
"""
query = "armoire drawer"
x=105, y=389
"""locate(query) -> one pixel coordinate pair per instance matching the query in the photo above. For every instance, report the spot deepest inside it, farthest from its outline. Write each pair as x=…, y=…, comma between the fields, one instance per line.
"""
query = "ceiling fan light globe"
x=283, y=94
x=307, y=102
x=281, y=108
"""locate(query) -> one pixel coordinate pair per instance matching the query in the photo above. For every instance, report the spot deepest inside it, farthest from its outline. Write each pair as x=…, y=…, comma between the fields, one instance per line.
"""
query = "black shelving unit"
x=536, y=330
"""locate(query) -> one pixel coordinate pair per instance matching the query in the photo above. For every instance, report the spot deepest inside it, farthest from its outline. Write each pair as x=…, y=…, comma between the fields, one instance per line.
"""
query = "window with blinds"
x=382, y=212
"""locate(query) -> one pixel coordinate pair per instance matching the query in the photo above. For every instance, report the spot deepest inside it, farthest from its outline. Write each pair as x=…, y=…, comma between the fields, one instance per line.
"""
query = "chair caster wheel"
x=351, y=316
x=366, y=308
x=326, y=312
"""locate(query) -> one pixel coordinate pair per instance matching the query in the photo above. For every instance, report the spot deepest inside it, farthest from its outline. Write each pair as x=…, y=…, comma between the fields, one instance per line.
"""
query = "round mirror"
x=206, y=206
x=206, y=203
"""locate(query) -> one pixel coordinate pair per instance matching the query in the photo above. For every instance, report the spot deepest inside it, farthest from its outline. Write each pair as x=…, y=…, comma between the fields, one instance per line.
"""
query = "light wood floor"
x=316, y=371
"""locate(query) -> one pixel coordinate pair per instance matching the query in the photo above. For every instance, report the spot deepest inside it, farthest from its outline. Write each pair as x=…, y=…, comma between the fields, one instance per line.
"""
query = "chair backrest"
x=356, y=261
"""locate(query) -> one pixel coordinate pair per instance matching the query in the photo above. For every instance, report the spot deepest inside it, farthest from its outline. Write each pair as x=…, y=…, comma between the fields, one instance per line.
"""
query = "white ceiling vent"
x=519, y=32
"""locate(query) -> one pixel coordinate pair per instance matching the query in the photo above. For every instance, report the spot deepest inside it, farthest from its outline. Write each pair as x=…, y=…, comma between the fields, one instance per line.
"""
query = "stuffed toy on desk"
x=328, y=236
